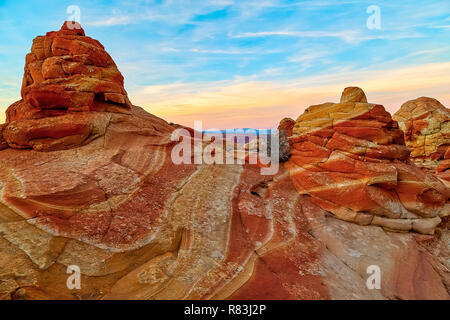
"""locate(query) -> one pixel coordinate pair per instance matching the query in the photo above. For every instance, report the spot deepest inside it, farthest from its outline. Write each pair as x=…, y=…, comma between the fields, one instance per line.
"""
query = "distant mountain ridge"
x=241, y=131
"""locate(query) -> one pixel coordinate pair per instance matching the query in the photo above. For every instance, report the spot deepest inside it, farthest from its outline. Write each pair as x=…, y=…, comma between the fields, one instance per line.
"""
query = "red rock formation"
x=65, y=73
x=111, y=201
x=139, y=226
x=351, y=159
x=443, y=170
x=285, y=131
x=3, y=143
x=426, y=123
x=353, y=94
x=286, y=125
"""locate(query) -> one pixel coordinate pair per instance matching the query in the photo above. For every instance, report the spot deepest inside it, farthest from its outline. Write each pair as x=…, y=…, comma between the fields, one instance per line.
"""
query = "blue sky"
x=242, y=63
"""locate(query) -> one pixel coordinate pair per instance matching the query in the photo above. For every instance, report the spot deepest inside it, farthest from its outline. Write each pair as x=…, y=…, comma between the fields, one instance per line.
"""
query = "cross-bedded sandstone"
x=351, y=159
x=68, y=78
x=426, y=123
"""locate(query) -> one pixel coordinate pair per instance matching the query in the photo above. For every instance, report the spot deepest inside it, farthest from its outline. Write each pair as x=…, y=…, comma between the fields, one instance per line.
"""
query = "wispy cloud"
x=117, y=19
x=442, y=27
x=348, y=35
x=308, y=57
x=112, y=21
x=233, y=51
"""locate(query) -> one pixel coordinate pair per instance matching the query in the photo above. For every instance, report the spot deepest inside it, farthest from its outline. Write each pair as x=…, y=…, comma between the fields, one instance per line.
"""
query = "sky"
x=247, y=63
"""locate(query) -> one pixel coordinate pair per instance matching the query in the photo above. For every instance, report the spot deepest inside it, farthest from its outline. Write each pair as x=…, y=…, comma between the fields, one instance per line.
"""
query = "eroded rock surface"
x=350, y=157
x=66, y=73
x=3, y=143
x=426, y=123
x=443, y=170
x=286, y=126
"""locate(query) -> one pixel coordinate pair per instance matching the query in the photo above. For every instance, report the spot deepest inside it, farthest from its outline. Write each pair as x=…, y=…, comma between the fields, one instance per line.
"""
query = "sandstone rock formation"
x=111, y=201
x=65, y=73
x=3, y=143
x=286, y=125
x=426, y=123
x=350, y=158
x=285, y=131
x=443, y=170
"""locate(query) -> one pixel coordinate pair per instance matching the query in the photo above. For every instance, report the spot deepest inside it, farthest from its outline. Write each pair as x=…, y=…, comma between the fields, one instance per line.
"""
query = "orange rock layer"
x=426, y=123
x=140, y=227
x=443, y=169
x=65, y=73
x=350, y=158
x=3, y=143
